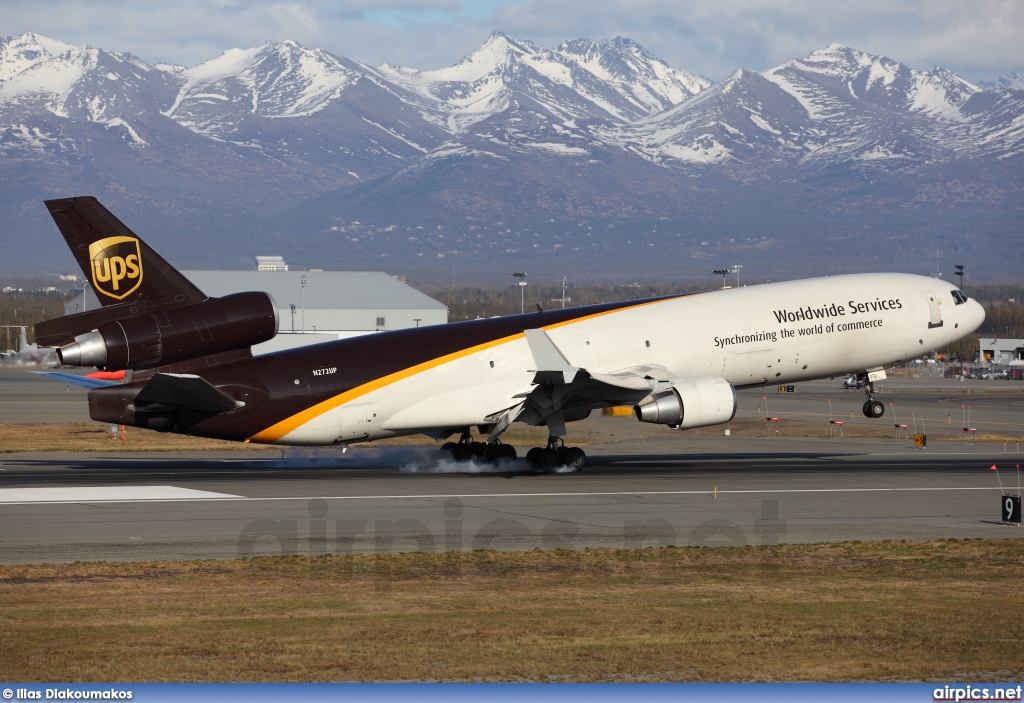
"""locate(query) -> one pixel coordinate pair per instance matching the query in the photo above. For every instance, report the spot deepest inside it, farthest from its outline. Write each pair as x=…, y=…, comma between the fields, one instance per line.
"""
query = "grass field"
x=888, y=611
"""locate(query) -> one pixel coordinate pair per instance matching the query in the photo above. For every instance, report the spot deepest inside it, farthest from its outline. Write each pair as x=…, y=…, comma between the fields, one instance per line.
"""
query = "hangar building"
x=316, y=306
x=1000, y=351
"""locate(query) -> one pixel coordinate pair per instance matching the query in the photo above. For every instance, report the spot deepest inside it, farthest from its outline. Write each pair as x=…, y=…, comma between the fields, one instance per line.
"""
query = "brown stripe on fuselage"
x=364, y=364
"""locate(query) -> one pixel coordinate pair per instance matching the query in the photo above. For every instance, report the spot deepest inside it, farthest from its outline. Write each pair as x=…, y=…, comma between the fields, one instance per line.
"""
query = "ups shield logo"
x=116, y=266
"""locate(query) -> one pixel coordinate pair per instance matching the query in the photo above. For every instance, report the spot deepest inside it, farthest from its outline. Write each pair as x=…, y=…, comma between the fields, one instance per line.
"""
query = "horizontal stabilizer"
x=76, y=380
x=185, y=391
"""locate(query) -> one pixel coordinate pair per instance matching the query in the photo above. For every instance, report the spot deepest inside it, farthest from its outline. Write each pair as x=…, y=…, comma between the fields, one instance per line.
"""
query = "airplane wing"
x=562, y=389
x=76, y=380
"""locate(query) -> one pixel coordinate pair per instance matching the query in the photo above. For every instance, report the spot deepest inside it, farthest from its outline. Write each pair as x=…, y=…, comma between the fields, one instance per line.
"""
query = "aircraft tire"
x=461, y=452
x=447, y=447
x=875, y=409
x=548, y=458
x=574, y=457
x=532, y=458
x=507, y=452
x=492, y=454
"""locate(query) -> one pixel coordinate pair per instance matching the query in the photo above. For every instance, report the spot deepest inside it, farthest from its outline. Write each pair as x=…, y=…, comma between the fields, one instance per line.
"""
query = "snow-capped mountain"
x=47, y=78
x=284, y=99
x=1013, y=81
x=528, y=147
x=580, y=79
x=837, y=104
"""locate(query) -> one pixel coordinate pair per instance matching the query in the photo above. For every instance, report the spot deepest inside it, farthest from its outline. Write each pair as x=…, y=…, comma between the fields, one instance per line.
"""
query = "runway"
x=65, y=508
x=645, y=485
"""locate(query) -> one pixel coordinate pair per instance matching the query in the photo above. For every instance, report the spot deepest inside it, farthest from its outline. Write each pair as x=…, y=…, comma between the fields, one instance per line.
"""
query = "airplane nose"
x=975, y=316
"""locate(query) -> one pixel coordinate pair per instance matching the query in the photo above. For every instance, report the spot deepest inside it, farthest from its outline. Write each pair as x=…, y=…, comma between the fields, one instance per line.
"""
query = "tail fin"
x=23, y=342
x=120, y=266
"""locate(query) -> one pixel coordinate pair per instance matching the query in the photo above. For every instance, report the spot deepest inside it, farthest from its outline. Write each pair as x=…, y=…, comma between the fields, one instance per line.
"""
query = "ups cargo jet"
x=677, y=359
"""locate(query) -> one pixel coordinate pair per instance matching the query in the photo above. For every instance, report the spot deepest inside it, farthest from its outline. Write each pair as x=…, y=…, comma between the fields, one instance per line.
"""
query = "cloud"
x=712, y=37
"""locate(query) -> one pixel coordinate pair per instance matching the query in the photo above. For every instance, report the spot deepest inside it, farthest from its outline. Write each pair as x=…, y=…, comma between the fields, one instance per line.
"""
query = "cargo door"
x=934, y=310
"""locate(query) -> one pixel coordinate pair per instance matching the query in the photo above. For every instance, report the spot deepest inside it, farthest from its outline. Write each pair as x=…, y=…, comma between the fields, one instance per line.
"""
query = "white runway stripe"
x=171, y=494
x=104, y=494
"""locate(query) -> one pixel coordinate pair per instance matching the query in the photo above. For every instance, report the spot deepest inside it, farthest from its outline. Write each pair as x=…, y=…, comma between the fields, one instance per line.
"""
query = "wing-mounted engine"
x=158, y=338
x=690, y=402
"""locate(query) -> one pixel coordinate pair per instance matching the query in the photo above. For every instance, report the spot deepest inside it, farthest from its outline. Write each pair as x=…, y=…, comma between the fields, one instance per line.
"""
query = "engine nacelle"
x=695, y=402
x=155, y=339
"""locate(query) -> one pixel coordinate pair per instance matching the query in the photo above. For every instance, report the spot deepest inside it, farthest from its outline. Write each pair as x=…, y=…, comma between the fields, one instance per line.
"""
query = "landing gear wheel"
x=448, y=447
x=461, y=452
x=531, y=456
x=491, y=454
x=874, y=409
x=478, y=450
x=573, y=457
x=506, y=452
x=864, y=408
x=548, y=458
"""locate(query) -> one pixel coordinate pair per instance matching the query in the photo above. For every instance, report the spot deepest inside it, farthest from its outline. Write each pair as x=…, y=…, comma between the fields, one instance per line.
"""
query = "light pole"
x=417, y=320
x=292, y=306
x=520, y=277
x=960, y=275
x=302, y=282
x=563, y=292
x=723, y=273
x=736, y=268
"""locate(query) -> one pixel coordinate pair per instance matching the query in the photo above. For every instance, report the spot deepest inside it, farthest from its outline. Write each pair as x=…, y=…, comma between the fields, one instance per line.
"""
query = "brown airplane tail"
x=120, y=267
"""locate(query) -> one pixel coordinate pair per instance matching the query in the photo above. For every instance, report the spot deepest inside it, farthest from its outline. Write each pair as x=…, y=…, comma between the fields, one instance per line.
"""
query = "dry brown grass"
x=837, y=612
x=92, y=437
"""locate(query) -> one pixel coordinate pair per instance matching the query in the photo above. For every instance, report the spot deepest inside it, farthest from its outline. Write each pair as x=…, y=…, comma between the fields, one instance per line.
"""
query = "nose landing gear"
x=873, y=409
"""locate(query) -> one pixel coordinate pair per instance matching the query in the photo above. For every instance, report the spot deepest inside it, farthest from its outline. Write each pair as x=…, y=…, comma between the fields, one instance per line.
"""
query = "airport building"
x=315, y=306
x=1000, y=352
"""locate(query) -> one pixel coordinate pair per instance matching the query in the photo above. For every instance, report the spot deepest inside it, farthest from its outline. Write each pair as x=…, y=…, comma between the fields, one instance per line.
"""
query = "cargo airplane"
x=677, y=360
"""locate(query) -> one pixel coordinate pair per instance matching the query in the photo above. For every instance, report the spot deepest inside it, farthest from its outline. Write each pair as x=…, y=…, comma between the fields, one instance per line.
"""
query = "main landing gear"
x=489, y=452
x=556, y=454
x=873, y=409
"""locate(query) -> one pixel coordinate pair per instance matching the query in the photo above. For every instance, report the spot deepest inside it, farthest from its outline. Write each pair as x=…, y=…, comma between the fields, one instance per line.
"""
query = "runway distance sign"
x=1010, y=505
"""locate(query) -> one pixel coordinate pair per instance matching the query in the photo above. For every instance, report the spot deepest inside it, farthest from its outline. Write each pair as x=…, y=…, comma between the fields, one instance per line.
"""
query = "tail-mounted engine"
x=159, y=338
x=688, y=403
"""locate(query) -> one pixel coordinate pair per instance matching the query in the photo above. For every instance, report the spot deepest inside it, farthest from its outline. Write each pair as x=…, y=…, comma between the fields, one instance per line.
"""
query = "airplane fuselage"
x=460, y=375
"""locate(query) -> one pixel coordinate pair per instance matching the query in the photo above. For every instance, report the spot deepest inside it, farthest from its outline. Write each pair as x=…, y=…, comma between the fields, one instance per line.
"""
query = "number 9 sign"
x=1011, y=509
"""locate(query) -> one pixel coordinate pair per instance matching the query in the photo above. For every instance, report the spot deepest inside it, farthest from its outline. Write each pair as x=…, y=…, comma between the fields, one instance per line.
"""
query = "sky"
x=980, y=39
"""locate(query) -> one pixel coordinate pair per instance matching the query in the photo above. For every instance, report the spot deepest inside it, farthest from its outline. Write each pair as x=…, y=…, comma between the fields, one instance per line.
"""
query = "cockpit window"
x=959, y=296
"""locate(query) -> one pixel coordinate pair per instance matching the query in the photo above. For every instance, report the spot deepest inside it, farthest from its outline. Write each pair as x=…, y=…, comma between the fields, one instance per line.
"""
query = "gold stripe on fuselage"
x=277, y=431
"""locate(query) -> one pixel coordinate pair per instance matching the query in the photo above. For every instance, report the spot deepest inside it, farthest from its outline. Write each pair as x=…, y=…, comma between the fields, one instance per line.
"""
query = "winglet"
x=549, y=359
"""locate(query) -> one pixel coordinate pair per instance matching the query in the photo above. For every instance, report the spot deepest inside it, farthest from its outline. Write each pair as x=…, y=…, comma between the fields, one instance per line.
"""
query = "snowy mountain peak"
x=278, y=79
x=21, y=52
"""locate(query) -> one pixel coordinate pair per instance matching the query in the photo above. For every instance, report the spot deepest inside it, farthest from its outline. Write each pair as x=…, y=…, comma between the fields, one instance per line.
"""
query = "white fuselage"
x=757, y=335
